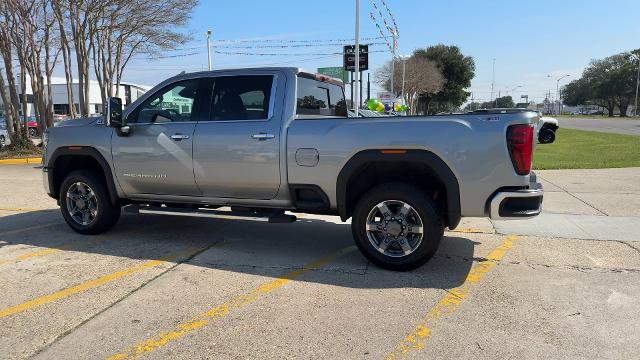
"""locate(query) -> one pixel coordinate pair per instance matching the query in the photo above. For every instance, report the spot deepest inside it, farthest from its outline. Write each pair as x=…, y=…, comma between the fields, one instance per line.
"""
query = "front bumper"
x=517, y=204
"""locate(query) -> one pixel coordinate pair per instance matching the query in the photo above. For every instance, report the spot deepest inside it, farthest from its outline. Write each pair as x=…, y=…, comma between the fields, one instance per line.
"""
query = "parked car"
x=4, y=134
x=269, y=140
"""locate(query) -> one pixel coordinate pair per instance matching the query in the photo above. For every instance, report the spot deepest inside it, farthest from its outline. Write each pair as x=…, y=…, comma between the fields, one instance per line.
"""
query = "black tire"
x=2, y=141
x=433, y=228
x=546, y=136
x=107, y=214
x=33, y=132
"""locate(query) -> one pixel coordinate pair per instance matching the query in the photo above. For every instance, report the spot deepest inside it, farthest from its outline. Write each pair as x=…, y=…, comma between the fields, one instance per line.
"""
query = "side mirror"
x=113, y=113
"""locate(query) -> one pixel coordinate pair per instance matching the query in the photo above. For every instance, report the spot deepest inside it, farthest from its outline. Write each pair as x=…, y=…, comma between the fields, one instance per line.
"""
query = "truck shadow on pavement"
x=253, y=248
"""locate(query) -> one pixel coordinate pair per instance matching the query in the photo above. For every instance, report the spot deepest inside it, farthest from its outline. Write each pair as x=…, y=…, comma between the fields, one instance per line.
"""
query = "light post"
x=357, y=59
x=558, y=93
x=209, y=32
x=635, y=107
x=404, y=72
x=393, y=63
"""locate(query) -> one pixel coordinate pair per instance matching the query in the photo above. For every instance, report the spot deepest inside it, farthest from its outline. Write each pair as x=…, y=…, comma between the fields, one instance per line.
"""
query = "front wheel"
x=33, y=132
x=3, y=141
x=546, y=136
x=397, y=227
x=85, y=203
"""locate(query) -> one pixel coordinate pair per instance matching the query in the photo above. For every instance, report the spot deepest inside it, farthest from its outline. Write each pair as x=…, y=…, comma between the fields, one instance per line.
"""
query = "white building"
x=128, y=92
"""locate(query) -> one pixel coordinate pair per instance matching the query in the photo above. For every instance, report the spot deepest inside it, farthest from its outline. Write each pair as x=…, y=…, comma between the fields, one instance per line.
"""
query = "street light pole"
x=209, y=32
x=404, y=71
x=393, y=63
x=558, y=93
x=635, y=108
x=356, y=73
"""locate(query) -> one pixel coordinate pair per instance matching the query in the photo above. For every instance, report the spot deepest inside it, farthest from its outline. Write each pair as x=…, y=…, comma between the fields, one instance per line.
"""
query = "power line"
x=284, y=54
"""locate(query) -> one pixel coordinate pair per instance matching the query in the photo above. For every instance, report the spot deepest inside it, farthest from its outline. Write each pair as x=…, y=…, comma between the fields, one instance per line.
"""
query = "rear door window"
x=246, y=97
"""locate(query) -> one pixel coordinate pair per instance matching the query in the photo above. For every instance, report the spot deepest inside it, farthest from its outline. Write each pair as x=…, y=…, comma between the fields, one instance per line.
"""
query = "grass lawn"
x=577, y=149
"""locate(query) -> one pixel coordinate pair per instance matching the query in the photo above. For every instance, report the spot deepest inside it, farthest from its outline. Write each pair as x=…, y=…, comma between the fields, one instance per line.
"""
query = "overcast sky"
x=529, y=40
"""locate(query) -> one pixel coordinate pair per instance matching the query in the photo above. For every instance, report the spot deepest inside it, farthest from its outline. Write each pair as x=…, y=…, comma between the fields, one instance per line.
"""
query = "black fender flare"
x=82, y=151
x=433, y=161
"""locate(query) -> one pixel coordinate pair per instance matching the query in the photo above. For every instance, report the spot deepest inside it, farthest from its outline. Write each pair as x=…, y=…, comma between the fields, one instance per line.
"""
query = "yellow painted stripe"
x=21, y=161
x=48, y=251
x=448, y=304
x=21, y=209
x=95, y=282
x=470, y=231
x=29, y=228
x=222, y=310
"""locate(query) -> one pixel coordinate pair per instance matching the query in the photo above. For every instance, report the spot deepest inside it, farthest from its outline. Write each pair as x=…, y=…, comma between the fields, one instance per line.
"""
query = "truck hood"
x=78, y=122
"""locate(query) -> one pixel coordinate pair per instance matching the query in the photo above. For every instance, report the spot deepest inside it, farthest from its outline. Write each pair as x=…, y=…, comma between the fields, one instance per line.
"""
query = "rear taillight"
x=520, y=144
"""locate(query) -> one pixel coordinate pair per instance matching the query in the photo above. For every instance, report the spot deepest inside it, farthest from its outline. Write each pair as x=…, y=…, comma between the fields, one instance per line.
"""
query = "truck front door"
x=237, y=150
x=156, y=157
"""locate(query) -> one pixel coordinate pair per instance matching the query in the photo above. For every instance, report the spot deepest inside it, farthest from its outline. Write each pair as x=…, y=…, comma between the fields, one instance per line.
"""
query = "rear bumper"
x=517, y=204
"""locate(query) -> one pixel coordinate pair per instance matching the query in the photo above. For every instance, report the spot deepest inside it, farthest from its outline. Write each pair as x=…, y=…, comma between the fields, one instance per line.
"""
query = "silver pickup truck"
x=251, y=144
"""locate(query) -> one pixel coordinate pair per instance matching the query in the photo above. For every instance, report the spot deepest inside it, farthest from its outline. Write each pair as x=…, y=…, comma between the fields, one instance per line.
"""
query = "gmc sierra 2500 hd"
x=269, y=140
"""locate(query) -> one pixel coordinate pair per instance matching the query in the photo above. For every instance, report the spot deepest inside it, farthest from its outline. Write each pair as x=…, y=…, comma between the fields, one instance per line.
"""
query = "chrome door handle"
x=262, y=136
x=178, y=137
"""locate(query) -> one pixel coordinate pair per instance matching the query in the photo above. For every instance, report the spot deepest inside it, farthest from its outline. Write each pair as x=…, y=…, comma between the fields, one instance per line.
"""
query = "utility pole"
x=357, y=59
x=209, y=32
x=493, y=78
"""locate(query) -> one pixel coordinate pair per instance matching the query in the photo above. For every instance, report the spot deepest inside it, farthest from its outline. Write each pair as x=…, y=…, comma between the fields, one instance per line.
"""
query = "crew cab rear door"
x=156, y=156
x=237, y=150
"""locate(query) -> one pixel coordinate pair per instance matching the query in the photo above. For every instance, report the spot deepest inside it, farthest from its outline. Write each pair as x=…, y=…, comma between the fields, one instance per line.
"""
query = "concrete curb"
x=21, y=161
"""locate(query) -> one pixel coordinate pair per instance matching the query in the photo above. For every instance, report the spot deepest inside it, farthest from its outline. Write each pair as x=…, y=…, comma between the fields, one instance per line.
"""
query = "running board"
x=212, y=214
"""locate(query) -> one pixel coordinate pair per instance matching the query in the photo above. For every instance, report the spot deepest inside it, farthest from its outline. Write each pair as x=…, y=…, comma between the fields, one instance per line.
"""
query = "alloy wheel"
x=394, y=228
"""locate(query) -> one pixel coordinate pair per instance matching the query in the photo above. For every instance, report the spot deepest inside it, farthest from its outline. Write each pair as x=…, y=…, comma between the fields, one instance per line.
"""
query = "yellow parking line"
x=222, y=310
x=30, y=228
x=35, y=160
x=21, y=209
x=48, y=251
x=448, y=304
x=96, y=282
x=470, y=231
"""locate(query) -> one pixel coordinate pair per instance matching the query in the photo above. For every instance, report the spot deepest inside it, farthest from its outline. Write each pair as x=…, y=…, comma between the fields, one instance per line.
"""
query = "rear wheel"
x=3, y=141
x=85, y=203
x=33, y=132
x=397, y=227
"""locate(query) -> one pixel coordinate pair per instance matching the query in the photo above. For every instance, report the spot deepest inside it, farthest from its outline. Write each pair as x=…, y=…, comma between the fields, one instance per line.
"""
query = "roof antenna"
x=182, y=73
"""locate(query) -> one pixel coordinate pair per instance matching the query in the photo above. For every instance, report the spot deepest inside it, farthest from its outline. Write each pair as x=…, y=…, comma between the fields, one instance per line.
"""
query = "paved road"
x=201, y=289
x=616, y=126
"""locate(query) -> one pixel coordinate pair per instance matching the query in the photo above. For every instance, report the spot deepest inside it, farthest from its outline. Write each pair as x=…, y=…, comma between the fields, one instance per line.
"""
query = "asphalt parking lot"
x=566, y=285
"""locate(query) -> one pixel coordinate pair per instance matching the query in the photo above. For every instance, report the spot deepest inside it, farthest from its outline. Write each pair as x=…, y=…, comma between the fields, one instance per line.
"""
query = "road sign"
x=350, y=57
x=335, y=72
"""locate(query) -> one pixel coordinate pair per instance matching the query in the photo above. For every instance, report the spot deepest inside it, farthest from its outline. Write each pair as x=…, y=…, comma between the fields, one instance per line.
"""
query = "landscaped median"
x=578, y=149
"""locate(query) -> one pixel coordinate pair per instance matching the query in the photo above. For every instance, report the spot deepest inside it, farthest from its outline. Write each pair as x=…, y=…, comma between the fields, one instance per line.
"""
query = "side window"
x=174, y=103
x=242, y=97
x=319, y=99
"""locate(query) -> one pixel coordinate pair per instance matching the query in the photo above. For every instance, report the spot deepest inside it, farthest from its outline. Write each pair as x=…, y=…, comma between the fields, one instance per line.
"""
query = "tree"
x=458, y=71
x=422, y=77
x=125, y=28
x=609, y=83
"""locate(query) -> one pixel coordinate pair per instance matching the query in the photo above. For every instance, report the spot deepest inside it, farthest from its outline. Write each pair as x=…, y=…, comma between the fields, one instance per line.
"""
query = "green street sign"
x=335, y=72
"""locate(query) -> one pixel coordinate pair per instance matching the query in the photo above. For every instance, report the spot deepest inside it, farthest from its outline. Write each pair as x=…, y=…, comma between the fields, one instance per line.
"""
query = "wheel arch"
x=425, y=161
x=71, y=158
